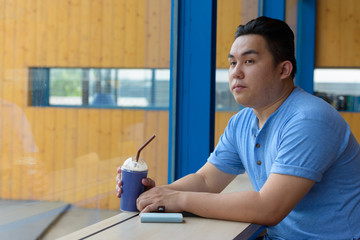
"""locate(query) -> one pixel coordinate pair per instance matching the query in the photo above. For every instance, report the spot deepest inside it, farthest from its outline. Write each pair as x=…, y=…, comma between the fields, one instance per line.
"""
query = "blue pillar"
x=305, y=44
x=192, y=86
x=272, y=8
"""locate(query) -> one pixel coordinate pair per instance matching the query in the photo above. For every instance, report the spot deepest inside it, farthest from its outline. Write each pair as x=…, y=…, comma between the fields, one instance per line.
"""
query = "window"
x=224, y=100
x=100, y=87
x=338, y=86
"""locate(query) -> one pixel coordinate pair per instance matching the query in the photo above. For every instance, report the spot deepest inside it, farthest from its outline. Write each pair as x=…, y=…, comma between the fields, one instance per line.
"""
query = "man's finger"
x=118, y=191
x=148, y=182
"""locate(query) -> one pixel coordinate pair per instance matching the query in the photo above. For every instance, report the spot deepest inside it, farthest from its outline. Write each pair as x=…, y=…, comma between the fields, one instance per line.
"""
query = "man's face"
x=254, y=80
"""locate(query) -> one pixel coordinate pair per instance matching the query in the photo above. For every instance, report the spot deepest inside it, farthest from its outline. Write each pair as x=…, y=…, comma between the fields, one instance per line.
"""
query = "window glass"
x=100, y=88
x=339, y=86
x=83, y=85
x=224, y=100
x=65, y=86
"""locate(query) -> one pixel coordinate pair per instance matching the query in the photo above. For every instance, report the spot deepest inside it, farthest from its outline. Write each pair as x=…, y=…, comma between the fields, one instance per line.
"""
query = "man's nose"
x=238, y=72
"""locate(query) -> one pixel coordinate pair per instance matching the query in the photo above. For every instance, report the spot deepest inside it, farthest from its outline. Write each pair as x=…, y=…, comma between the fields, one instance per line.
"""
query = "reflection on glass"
x=339, y=87
x=19, y=155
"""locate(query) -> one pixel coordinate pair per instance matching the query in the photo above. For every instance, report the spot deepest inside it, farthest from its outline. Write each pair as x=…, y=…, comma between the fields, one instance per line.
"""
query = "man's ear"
x=286, y=68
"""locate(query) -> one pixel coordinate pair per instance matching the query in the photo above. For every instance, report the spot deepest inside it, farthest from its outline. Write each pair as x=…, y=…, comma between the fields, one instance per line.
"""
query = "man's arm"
x=279, y=195
x=198, y=194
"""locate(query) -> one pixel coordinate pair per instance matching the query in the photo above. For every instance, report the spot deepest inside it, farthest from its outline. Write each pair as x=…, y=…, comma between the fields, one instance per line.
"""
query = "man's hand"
x=147, y=182
x=160, y=196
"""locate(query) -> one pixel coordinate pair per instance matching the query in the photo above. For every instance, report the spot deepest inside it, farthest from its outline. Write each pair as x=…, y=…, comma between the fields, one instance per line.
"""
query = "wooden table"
x=128, y=226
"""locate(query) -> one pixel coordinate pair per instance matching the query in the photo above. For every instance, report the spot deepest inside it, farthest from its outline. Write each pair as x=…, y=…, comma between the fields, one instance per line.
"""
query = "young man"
x=299, y=153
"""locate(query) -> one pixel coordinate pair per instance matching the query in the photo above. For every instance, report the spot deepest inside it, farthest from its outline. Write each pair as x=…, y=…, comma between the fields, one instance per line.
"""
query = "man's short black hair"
x=278, y=36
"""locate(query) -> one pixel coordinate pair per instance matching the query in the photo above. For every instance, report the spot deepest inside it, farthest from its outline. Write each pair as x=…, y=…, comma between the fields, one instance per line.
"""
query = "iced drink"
x=132, y=173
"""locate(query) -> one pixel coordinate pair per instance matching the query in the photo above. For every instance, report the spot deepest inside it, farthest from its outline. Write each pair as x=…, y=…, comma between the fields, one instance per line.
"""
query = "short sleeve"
x=307, y=149
x=225, y=156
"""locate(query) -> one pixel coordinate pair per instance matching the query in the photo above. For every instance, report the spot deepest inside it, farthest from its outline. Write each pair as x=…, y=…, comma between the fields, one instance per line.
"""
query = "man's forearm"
x=192, y=183
x=240, y=206
x=279, y=195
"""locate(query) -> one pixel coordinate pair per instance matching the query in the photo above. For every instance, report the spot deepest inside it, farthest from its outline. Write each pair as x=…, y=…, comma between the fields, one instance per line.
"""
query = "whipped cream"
x=131, y=164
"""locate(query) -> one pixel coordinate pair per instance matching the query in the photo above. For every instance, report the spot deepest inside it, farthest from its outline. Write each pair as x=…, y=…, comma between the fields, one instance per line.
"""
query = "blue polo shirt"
x=305, y=137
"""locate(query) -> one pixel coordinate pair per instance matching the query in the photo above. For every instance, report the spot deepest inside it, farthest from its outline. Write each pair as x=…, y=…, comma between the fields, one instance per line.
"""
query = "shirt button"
x=259, y=163
x=257, y=145
x=255, y=136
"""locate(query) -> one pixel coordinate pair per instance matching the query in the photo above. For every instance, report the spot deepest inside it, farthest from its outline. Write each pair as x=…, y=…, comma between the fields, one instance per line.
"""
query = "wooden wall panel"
x=8, y=74
x=104, y=153
x=221, y=121
x=164, y=33
x=115, y=33
x=6, y=161
x=95, y=36
x=13, y=75
x=153, y=35
x=41, y=31
x=353, y=120
x=337, y=33
x=131, y=36
x=52, y=24
x=119, y=33
x=157, y=38
x=20, y=73
x=85, y=33
x=62, y=49
x=140, y=30
x=229, y=17
x=50, y=146
x=115, y=155
x=4, y=178
x=39, y=138
x=107, y=32
x=59, y=156
x=69, y=177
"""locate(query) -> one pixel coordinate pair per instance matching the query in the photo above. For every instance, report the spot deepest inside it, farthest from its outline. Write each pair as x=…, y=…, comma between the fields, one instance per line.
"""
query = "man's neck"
x=265, y=112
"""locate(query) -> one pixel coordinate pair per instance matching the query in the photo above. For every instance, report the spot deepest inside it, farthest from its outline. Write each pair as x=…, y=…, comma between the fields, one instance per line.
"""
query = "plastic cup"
x=131, y=184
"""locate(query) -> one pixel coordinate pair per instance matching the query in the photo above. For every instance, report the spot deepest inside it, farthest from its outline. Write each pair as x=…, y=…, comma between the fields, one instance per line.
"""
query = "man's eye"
x=248, y=61
x=232, y=63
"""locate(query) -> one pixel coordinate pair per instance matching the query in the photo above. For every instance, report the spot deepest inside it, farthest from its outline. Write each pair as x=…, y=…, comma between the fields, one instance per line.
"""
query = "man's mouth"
x=238, y=87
